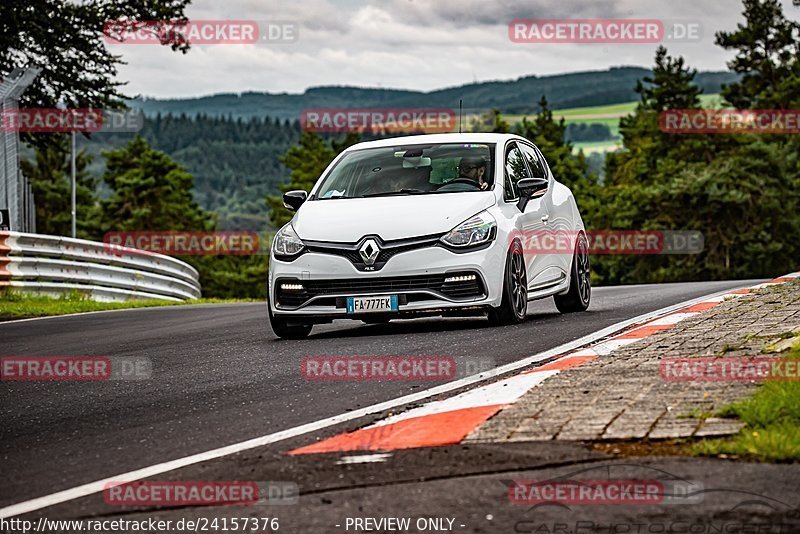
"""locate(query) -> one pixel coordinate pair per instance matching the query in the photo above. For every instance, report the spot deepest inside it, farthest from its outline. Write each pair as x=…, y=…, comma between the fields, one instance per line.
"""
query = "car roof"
x=436, y=138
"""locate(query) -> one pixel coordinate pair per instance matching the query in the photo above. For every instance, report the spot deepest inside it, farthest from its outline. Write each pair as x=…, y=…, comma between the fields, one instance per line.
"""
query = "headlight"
x=476, y=230
x=286, y=242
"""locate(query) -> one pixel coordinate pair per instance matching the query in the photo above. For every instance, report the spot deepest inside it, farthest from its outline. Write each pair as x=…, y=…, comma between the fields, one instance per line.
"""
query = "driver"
x=473, y=168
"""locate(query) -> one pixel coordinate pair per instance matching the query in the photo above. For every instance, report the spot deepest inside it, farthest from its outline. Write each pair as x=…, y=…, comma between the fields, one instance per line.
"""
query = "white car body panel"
x=347, y=221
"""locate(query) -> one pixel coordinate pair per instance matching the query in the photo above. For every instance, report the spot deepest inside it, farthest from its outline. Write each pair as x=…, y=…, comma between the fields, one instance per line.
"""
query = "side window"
x=534, y=161
x=515, y=171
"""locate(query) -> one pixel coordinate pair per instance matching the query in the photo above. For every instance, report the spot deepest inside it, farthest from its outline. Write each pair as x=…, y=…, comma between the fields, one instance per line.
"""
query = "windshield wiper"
x=395, y=193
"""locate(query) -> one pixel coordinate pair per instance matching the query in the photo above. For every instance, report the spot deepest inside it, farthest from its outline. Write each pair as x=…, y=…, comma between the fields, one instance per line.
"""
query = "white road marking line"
x=672, y=319
x=157, y=469
x=583, y=352
x=607, y=347
x=502, y=392
x=364, y=459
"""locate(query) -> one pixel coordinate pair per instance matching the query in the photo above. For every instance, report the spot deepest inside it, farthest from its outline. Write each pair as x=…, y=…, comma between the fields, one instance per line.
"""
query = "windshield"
x=411, y=170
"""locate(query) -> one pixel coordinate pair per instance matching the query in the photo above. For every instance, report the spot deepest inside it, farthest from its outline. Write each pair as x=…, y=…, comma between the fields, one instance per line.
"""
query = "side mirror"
x=530, y=188
x=292, y=200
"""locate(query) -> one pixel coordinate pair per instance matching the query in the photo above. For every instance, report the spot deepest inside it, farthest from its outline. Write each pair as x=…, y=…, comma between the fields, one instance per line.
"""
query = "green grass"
x=772, y=419
x=15, y=305
x=608, y=115
x=589, y=147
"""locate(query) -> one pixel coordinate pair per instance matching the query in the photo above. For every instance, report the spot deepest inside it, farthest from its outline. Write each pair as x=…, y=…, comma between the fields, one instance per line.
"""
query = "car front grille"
x=463, y=289
x=388, y=249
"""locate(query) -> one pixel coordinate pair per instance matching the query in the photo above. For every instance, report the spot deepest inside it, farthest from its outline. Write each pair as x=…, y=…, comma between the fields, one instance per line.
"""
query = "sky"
x=411, y=44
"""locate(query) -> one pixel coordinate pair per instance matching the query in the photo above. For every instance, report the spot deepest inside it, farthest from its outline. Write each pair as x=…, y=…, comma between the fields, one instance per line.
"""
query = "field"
x=608, y=116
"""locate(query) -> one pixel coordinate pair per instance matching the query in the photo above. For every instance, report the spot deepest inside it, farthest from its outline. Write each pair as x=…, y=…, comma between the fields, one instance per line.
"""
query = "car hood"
x=347, y=220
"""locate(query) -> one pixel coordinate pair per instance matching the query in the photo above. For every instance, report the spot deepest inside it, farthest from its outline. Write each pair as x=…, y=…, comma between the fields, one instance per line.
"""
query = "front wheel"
x=514, y=305
x=580, y=287
x=284, y=330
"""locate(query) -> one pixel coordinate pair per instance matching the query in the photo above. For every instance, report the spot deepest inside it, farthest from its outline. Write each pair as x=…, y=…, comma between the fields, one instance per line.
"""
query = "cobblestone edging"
x=623, y=395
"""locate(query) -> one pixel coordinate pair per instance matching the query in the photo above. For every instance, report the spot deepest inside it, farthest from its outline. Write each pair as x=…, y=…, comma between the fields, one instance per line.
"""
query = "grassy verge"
x=772, y=418
x=15, y=305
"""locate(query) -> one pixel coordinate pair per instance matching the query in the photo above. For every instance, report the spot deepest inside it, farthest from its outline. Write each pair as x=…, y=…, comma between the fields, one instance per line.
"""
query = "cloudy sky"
x=410, y=44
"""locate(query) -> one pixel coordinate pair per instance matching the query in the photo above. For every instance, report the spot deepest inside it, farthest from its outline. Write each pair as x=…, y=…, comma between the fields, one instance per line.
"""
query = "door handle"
x=545, y=218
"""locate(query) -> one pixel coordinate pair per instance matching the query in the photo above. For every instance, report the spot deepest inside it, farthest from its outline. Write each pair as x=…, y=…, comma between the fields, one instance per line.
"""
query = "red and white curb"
x=449, y=421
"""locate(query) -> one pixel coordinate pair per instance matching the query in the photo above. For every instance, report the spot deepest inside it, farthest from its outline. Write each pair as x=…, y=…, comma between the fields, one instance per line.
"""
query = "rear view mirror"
x=416, y=162
x=292, y=200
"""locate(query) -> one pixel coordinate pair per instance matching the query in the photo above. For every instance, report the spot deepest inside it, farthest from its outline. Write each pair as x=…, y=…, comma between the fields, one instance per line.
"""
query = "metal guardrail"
x=52, y=265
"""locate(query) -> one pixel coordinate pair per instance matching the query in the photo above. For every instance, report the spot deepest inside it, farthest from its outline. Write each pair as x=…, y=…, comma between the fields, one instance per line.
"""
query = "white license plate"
x=372, y=304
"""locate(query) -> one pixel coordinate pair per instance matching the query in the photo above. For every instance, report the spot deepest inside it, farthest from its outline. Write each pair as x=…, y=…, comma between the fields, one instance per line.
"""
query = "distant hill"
x=579, y=89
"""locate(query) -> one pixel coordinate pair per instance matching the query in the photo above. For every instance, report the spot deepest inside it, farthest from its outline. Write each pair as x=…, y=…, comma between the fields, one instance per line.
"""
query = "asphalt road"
x=220, y=376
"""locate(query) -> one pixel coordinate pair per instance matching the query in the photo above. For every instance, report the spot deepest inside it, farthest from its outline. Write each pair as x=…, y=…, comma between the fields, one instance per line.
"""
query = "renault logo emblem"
x=369, y=251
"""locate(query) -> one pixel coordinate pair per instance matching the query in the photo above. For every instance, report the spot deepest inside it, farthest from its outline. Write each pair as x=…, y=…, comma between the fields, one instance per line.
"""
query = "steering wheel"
x=465, y=181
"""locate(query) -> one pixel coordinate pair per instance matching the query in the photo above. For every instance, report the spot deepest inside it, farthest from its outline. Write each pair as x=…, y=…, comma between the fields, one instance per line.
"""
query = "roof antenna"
x=459, y=115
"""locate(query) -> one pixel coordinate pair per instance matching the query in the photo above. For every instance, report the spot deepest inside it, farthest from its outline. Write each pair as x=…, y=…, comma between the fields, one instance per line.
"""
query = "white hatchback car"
x=427, y=225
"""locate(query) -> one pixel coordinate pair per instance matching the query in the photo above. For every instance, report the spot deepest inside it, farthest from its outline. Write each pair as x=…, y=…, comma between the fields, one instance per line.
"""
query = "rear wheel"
x=283, y=329
x=514, y=305
x=580, y=287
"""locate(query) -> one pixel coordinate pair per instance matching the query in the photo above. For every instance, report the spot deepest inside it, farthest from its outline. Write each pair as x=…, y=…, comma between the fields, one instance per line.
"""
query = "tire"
x=282, y=328
x=580, y=283
x=514, y=305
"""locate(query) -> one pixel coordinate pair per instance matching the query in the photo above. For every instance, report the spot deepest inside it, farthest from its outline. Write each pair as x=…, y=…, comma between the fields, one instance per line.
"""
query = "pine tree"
x=768, y=58
x=550, y=136
x=307, y=161
x=149, y=192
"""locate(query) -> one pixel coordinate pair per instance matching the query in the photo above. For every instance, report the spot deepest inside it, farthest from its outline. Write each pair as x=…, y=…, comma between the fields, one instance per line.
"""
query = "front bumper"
x=421, y=278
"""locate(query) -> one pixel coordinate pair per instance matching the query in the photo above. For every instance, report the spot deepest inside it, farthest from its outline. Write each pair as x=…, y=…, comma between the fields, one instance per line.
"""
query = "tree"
x=66, y=39
x=149, y=192
x=50, y=178
x=741, y=191
x=307, y=161
x=670, y=87
x=550, y=136
x=767, y=56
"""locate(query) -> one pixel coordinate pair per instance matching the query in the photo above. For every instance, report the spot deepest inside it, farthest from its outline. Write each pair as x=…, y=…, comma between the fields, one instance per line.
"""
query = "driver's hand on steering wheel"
x=484, y=185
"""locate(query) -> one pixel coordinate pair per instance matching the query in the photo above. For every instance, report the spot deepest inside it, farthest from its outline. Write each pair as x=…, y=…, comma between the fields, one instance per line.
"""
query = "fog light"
x=292, y=287
x=464, y=278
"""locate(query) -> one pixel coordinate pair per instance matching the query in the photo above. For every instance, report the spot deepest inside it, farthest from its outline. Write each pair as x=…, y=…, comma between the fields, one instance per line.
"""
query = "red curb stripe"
x=744, y=291
x=644, y=331
x=781, y=280
x=700, y=307
x=434, y=430
x=562, y=363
